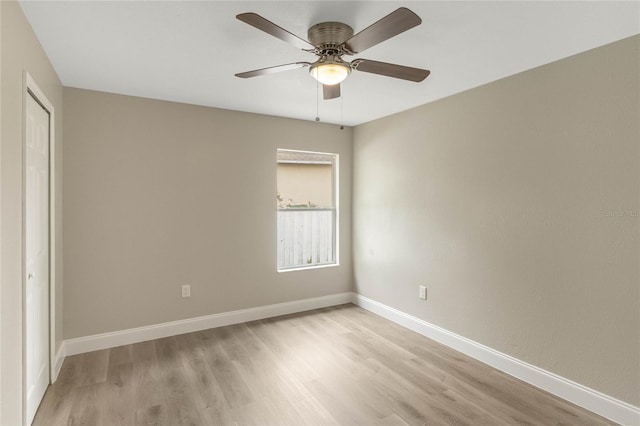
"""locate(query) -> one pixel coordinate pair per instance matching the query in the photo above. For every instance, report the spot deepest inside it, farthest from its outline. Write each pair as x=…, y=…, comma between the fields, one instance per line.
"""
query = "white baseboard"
x=173, y=328
x=57, y=362
x=592, y=400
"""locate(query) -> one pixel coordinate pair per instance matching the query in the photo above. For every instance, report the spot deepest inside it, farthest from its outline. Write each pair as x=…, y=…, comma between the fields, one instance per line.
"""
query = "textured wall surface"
x=516, y=204
x=160, y=194
x=20, y=51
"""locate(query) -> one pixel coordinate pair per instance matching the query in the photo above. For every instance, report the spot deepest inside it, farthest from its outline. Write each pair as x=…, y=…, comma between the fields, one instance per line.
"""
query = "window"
x=307, y=209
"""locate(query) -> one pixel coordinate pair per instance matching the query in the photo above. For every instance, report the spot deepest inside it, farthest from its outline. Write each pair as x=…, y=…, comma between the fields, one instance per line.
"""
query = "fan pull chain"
x=342, y=112
x=317, y=101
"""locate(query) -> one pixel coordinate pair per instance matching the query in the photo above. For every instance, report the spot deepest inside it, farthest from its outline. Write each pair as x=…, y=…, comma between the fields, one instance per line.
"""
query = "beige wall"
x=516, y=204
x=305, y=183
x=1, y=364
x=20, y=51
x=160, y=194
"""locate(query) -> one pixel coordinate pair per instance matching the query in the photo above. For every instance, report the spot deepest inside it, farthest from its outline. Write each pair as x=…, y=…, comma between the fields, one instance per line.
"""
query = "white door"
x=37, y=255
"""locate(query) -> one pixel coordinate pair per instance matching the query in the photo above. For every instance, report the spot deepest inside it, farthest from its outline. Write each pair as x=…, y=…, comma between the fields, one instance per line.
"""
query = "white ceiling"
x=189, y=51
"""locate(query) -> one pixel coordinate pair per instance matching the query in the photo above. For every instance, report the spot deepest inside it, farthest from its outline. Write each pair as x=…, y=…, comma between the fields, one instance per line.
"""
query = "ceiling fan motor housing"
x=328, y=37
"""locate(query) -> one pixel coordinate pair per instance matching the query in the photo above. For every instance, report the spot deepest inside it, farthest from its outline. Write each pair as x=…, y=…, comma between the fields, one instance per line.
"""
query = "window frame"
x=335, y=222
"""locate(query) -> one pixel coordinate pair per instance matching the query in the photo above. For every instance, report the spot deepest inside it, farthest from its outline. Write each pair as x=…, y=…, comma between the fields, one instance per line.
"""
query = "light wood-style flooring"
x=340, y=365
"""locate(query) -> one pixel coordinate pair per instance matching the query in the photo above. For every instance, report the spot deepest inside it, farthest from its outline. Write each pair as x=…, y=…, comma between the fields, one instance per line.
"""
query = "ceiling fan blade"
x=269, y=27
x=391, y=25
x=390, y=70
x=330, y=92
x=273, y=70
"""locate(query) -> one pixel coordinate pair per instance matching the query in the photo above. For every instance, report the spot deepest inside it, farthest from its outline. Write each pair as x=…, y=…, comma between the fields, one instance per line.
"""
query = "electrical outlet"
x=186, y=290
x=423, y=292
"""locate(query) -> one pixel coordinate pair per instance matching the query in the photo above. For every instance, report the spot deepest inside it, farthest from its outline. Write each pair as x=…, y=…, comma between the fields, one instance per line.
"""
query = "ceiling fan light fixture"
x=330, y=73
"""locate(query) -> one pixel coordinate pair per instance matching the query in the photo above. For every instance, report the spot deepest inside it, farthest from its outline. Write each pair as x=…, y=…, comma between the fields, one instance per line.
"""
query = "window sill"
x=305, y=268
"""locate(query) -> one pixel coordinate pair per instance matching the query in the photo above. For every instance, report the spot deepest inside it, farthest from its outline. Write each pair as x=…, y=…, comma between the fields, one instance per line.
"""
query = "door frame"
x=30, y=88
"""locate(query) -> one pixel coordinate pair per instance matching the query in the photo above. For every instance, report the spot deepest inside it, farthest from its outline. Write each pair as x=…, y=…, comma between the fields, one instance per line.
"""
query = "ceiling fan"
x=330, y=41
